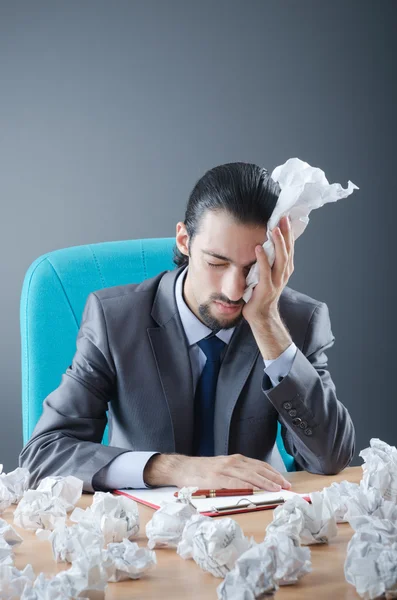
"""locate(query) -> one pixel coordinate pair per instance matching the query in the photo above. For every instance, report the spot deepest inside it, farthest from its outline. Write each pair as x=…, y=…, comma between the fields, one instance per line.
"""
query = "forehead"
x=220, y=233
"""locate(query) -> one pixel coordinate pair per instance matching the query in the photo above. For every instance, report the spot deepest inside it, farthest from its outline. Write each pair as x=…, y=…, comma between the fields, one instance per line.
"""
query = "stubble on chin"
x=217, y=324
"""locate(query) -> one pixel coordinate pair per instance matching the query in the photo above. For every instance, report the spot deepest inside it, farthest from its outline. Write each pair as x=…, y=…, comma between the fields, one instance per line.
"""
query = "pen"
x=220, y=493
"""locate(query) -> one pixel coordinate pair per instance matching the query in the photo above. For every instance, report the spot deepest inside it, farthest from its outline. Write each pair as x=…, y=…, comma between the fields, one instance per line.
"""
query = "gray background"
x=110, y=112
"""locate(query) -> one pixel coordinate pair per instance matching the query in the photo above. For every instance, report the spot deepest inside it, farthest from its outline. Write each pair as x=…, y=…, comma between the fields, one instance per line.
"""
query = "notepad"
x=209, y=506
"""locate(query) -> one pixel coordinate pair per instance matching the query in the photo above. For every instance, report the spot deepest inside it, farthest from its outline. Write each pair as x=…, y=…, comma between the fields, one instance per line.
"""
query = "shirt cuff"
x=125, y=471
x=277, y=368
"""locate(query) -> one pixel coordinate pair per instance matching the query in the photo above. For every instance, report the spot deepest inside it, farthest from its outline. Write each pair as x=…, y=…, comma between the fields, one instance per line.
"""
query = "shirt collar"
x=195, y=330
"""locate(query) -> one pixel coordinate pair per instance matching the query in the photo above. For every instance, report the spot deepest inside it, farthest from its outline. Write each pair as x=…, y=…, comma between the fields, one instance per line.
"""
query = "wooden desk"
x=177, y=578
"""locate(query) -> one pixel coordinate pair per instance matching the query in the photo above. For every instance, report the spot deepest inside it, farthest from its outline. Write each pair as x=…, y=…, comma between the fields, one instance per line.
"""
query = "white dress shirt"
x=126, y=470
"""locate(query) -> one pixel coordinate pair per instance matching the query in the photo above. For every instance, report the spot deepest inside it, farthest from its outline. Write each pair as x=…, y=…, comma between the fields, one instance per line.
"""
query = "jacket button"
x=308, y=431
x=287, y=405
x=303, y=425
x=297, y=421
x=292, y=413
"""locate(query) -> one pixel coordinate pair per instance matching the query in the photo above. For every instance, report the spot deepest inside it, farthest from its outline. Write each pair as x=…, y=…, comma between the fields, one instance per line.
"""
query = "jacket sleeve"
x=317, y=429
x=67, y=438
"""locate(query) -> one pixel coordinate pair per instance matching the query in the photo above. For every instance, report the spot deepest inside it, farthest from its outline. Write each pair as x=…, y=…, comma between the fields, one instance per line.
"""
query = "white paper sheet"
x=166, y=494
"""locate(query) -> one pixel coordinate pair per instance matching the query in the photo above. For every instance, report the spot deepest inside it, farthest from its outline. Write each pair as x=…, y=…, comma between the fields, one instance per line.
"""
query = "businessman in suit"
x=194, y=379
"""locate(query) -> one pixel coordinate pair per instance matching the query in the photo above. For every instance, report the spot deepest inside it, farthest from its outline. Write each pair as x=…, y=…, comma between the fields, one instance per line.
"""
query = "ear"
x=182, y=238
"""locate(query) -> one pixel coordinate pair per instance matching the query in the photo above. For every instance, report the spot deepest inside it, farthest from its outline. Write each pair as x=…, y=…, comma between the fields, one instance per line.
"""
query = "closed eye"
x=215, y=266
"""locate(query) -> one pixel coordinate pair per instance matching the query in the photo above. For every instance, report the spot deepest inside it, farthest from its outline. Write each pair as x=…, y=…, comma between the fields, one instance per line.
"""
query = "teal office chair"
x=54, y=293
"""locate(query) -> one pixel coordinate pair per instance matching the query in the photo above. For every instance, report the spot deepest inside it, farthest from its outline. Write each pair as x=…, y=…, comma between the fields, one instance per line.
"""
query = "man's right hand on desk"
x=215, y=472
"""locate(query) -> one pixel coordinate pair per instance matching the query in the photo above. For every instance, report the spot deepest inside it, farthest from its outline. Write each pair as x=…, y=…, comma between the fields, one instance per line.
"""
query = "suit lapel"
x=240, y=357
x=171, y=353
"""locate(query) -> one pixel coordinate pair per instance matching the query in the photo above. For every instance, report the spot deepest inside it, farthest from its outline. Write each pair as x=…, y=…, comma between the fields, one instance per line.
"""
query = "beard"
x=214, y=323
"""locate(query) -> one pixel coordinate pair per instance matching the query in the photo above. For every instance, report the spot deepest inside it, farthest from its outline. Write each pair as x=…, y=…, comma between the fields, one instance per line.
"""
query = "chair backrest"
x=54, y=293
x=55, y=289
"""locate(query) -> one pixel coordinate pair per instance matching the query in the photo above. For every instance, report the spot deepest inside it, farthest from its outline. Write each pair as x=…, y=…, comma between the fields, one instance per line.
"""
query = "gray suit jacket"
x=132, y=360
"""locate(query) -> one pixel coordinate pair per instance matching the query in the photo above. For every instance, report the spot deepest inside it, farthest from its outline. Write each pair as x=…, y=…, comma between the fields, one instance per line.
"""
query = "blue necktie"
x=204, y=399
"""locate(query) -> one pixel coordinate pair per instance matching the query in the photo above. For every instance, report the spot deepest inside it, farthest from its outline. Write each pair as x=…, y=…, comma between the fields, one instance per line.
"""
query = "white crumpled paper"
x=70, y=543
x=259, y=571
x=86, y=578
x=6, y=554
x=68, y=489
x=380, y=469
x=9, y=538
x=313, y=523
x=339, y=496
x=128, y=561
x=6, y=498
x=16, y=482
x=185, y=545
x=39, y=510
x=217, y=544
x=89, y=574
x=371, y=567
x=167, y=524
x=371, y=561
x=252, y=576
x=13, y=581
x=291, y=560
x=380, y=527
x=364, y=502
x=47, y=507
x=116, y=516
x=303, y=188
x=8, y=533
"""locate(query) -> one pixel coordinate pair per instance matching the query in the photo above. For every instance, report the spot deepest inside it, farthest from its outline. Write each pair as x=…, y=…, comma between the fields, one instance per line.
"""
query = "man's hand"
x=233, y=471
x=261, y=311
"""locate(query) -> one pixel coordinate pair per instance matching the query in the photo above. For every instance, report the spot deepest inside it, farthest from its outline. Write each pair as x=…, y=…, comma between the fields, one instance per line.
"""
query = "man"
x=194, y=379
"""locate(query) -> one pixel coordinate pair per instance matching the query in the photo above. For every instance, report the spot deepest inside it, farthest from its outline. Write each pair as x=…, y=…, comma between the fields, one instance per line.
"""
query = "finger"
x=233, y=483
x=254, y=462
x=263, y=266
x=271, y=475
x=290, y=243
x=237, y=469
x=261, y=481
x=286, y=230
x=281, y=259
x=260, y=464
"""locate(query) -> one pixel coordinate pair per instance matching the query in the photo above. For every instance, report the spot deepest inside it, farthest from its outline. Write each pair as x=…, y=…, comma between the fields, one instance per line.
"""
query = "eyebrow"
x=215, y=255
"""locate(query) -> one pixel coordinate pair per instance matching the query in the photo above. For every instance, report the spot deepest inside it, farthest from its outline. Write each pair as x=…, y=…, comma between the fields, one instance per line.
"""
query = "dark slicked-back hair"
x=245, y=191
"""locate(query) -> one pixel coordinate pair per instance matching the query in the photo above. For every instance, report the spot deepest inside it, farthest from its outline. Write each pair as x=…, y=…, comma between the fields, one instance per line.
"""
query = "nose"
x=234, y=284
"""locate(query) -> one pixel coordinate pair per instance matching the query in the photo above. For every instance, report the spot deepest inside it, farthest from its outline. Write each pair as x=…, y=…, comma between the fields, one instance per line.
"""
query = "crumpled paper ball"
x=381, y=526
x=39, y=510
x=6, y=498
x=9, y=538
x=339, y=495
x=13, y=581
x=252, y=576
x=70, y=543
x=86, y=578
x=68, y=489
x=313, y=523
x=303, y=189
x=116, y=516
x=185, y=545
x=128, y=560
x=371, y=567
x=380, y=469
x=6, y=554
x=16, y=482
x=8, y=533
x=47, y=507
x=259, y=571
x=166, y=526
x=217, y=544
